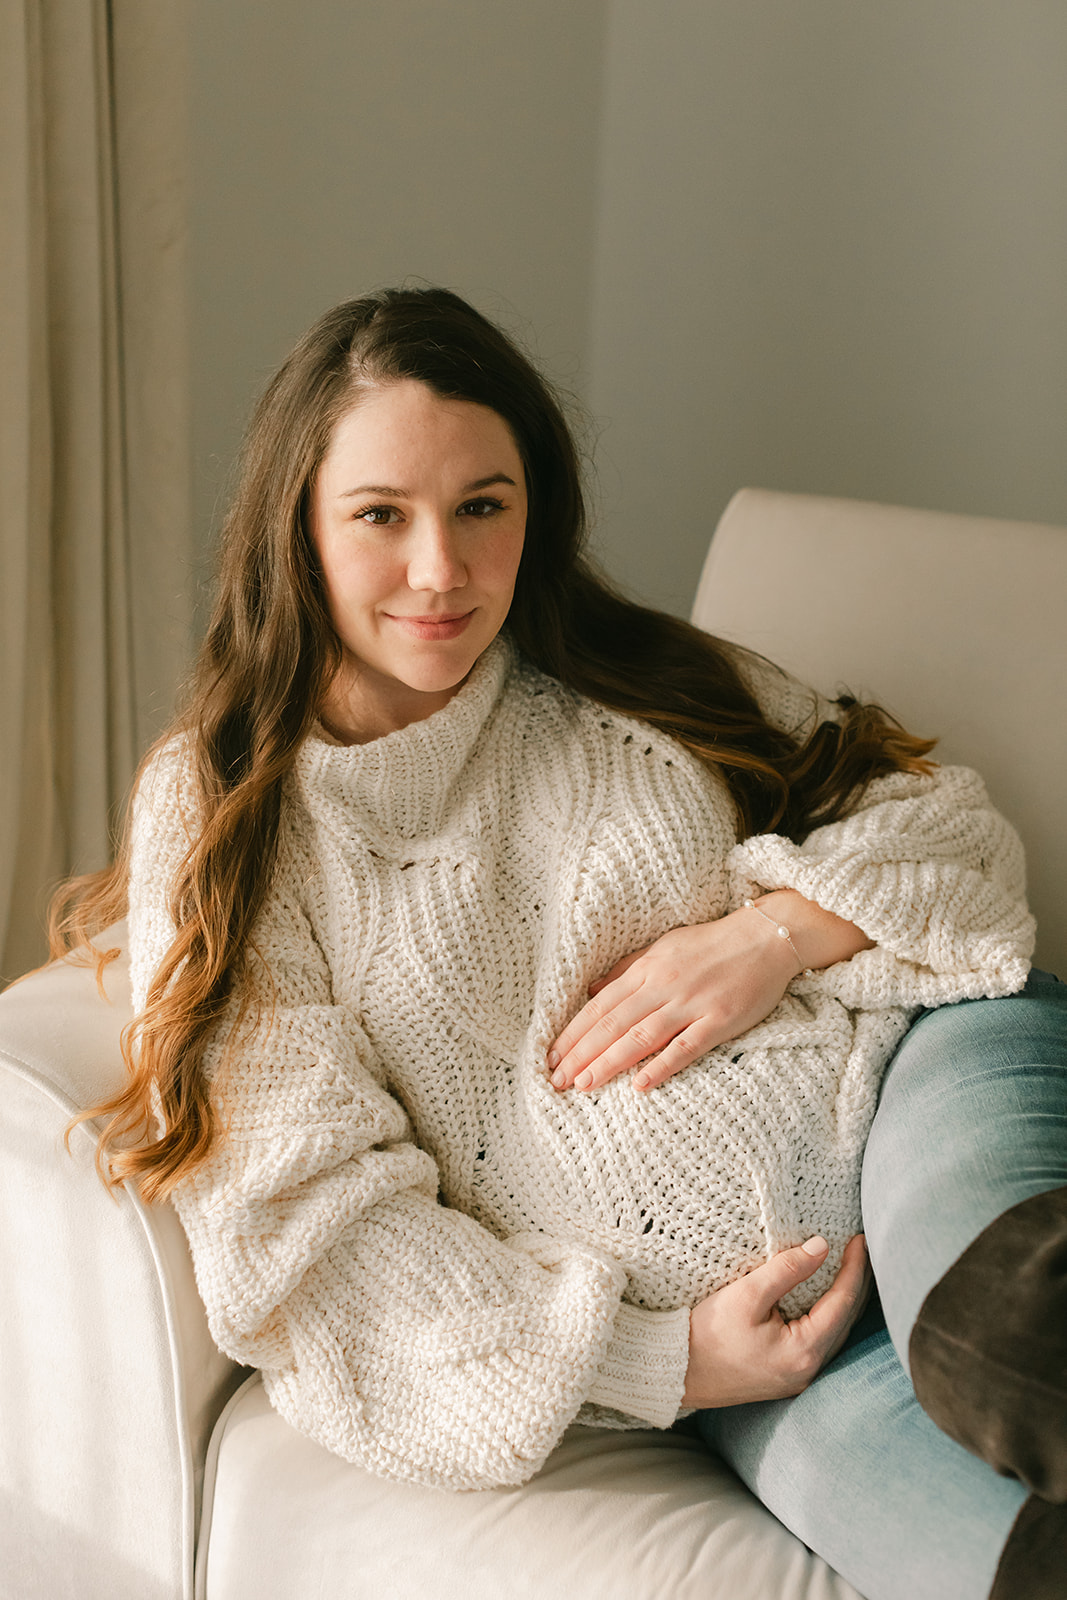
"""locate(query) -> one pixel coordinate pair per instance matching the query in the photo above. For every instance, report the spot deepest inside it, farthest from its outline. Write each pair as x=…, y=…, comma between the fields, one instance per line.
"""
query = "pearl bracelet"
x=783, y=933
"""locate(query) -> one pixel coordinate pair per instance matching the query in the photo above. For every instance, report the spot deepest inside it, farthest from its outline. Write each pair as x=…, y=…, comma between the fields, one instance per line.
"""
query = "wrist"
x=779, y=932
x=818, y=937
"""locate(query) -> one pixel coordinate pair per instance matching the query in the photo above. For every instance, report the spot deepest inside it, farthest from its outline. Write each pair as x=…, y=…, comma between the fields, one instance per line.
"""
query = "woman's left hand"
x=693, y=989
x=674, y=1001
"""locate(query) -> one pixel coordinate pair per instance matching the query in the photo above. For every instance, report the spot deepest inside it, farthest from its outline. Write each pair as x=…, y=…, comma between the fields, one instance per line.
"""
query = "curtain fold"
x=95, y=552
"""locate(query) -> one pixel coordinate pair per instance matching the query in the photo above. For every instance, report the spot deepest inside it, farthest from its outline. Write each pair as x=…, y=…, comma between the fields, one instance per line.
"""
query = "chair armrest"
x=109, y=1381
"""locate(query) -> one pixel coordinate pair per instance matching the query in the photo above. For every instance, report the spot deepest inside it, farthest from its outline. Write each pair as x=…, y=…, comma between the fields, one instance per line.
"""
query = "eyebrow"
x=404, y=494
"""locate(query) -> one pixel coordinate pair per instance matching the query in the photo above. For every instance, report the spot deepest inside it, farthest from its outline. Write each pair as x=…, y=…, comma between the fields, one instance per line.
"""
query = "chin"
x=441, y=682
x=435, y=677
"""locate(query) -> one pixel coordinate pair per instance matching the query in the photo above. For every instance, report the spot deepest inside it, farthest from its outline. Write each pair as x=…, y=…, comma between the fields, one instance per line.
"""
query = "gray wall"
x=341, y=145
x=807, y=244
x=832, y=256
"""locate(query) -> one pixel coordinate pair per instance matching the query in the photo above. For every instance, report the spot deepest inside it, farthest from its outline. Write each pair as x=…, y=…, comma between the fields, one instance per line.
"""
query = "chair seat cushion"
x=612, y=1516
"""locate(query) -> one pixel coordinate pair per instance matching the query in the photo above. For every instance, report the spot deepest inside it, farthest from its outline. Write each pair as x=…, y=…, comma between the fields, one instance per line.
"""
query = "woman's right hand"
x=740, y=1346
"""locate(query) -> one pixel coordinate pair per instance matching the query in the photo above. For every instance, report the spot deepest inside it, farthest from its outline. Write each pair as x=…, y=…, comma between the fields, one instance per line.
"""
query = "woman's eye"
x=378, y=516
x=484, y=506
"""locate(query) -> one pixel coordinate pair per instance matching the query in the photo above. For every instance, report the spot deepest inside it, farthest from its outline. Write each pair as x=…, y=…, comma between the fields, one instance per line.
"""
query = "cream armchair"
x=137, y=1463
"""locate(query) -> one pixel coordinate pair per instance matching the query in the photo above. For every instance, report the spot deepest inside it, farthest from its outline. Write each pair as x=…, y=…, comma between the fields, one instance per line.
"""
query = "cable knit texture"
x=437, y=1259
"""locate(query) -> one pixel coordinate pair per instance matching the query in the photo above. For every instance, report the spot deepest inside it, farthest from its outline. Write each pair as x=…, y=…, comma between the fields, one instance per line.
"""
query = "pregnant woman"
x=516, y=970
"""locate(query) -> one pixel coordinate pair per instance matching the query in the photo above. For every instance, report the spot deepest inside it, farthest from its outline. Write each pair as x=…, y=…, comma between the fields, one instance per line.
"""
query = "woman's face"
x=418, y=517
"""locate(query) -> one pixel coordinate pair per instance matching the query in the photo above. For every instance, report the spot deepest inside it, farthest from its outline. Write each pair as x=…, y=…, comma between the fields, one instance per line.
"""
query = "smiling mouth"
x=434, y=616
x=444, y=626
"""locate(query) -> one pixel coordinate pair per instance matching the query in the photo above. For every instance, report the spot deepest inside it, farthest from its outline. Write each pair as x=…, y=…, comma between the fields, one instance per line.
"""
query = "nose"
x=435, y=563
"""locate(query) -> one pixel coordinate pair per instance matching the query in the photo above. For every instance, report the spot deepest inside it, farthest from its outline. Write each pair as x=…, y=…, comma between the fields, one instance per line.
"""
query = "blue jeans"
x=972, y=1120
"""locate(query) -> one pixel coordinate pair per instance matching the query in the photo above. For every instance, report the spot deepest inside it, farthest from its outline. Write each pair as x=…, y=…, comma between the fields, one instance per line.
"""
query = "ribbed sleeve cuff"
x=643, y=1371
x=943, y=963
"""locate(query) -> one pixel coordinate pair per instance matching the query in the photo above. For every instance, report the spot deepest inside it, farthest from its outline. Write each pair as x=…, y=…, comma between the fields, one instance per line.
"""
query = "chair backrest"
x=958, y=625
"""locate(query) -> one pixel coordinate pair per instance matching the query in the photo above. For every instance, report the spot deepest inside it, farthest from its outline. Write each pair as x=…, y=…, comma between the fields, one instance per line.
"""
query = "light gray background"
x=808, y=244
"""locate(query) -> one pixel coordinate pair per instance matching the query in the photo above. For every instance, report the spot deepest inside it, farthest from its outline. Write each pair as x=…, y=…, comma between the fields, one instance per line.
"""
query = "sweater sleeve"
x=390, y=1328
x=925, y=865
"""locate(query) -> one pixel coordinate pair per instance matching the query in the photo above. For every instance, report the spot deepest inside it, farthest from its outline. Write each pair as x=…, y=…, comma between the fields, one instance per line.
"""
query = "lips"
x=449, y=626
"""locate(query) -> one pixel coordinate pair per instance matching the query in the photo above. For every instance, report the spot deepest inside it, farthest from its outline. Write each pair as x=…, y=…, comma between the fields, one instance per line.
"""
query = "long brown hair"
x=270, y=654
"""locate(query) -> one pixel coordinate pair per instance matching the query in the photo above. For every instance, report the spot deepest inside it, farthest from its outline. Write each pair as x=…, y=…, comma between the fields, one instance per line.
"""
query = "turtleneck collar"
x=399, y=787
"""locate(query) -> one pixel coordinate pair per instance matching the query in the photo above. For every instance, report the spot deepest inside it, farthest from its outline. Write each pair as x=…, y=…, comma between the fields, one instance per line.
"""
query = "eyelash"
x=489, y=502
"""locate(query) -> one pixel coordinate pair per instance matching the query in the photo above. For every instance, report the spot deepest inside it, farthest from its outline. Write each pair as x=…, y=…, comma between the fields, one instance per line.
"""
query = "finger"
x=856, y=1311
x=616, y=972
x=589, y=1067
x=769, y=1283
x=833, y=1315
x=682, y=1051
x=605, y=1022
x=592, y=1015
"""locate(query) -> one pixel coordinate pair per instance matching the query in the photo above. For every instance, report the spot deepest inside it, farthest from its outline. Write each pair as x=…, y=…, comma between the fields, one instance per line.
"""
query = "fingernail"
x=642, y=1080
x=584, y=1080
x=558, y=1080
x=553, y=1059
x=814, y=1247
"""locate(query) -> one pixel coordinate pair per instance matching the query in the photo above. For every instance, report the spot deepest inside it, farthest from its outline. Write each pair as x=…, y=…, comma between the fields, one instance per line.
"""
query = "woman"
x=435, y=784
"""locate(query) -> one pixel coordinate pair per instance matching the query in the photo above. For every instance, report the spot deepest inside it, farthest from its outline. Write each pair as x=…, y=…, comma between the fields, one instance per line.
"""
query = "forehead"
x=408, y=425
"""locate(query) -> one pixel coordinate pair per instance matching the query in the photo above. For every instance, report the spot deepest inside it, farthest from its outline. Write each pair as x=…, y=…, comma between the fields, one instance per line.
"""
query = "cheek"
x=503, y=562
x=353, y=572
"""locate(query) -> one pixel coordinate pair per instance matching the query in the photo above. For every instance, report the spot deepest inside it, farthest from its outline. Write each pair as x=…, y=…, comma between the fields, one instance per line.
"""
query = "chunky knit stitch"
x=436, y=1258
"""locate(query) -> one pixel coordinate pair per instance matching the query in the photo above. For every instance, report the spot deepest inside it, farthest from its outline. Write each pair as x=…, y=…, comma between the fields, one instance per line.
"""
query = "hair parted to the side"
x=270, y=654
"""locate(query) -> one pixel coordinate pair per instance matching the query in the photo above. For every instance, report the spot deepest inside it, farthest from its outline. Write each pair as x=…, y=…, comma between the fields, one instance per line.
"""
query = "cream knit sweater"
x=436, y=1258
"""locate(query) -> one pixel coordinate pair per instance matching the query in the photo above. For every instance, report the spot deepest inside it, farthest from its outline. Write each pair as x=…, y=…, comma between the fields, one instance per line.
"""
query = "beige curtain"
x=95, y=550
